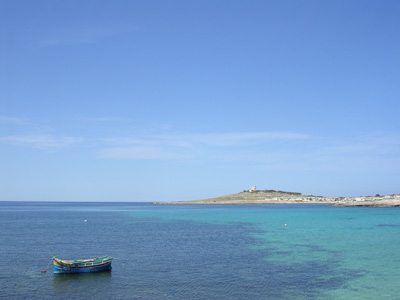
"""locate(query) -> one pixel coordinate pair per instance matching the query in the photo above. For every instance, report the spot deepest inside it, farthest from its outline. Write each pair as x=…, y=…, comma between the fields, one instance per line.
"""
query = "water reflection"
x=60, y=277
x=81, y=283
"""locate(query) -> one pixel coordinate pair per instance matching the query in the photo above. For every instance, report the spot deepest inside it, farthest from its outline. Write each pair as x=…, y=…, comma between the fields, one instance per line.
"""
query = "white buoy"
x=85, y=221
x=285, y=225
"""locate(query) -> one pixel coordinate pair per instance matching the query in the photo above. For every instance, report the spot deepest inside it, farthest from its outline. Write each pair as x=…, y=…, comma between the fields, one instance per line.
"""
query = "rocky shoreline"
x=279, y=197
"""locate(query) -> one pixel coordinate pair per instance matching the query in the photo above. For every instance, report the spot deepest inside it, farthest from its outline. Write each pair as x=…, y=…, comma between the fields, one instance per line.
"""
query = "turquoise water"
x=202, y=252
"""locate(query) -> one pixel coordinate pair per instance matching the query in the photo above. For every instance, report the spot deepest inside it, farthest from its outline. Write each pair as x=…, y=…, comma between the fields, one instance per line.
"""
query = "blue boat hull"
x=58, y=269
x=82, y=266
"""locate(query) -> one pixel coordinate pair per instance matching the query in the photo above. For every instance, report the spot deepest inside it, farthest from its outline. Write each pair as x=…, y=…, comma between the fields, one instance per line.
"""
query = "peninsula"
x=254, y=196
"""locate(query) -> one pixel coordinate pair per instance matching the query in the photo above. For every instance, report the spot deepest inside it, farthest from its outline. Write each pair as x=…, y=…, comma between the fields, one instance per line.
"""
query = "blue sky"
x=183, y=100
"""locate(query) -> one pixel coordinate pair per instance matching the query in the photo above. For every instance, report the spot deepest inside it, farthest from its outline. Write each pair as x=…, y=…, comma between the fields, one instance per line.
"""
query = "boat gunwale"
x=83, y=264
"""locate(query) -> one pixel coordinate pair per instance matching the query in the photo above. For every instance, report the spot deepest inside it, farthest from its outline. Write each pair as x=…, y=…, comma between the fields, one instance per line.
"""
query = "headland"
x=254, y=196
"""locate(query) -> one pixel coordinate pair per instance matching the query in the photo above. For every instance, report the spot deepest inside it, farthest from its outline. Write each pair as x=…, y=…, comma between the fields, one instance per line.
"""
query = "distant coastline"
x=254, y=196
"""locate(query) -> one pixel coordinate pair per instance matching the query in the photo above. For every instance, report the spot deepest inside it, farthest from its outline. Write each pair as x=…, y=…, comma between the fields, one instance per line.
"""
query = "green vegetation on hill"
x=271, y=191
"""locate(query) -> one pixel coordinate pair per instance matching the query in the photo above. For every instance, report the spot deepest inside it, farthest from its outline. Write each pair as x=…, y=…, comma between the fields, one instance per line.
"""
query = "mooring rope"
x=45, y=270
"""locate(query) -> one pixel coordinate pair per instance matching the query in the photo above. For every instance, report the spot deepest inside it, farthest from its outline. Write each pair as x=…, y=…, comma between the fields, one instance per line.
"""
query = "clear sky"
x=183, y=100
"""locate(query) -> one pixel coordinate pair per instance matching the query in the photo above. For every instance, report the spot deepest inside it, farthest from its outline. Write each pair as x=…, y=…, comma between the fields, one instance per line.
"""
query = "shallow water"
x=201, y=252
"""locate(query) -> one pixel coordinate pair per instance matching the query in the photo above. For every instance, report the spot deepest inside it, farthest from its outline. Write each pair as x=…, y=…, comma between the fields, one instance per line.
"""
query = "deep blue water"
x=201, y=252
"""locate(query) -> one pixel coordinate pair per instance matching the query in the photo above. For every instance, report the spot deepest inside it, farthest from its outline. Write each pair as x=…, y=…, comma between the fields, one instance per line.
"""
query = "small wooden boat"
x=82, y=265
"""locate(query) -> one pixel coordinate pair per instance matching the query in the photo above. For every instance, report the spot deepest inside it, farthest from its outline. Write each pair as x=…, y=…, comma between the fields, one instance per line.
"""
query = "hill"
x=258, y=197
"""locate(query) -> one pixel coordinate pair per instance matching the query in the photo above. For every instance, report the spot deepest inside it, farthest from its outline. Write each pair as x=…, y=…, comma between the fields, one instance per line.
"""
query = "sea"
x=201, y=251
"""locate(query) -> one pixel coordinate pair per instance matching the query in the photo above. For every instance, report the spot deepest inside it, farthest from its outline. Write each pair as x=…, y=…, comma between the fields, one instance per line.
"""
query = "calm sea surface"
x=201, y=252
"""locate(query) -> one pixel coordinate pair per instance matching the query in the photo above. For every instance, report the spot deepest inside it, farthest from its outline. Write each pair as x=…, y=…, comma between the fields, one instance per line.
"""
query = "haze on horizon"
x=185, y=100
